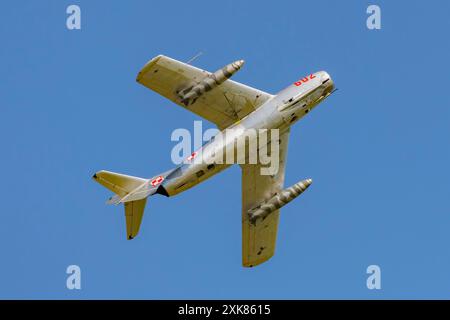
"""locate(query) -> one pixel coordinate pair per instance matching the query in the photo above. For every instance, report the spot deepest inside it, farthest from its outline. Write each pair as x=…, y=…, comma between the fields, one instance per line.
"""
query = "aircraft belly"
x=192, y=176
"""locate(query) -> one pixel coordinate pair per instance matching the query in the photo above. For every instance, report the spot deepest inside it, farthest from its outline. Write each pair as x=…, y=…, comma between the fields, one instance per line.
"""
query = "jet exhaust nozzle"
x=279, y=200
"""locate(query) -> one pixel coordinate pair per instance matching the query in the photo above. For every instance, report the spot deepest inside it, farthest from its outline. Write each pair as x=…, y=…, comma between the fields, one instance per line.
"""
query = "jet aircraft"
x=229, y=105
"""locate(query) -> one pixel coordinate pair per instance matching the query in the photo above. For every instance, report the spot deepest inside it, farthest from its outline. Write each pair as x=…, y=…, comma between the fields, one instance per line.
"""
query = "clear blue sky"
x=378, y=150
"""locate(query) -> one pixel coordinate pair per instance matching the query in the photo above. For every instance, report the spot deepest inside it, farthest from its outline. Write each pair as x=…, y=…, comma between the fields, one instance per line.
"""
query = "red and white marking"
x=157, y=181
x=305, y=79
x=192, y=156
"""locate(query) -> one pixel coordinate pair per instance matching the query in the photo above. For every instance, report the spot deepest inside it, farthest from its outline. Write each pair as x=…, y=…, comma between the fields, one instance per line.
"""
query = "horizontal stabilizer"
x=115, y=199
x=120, y=184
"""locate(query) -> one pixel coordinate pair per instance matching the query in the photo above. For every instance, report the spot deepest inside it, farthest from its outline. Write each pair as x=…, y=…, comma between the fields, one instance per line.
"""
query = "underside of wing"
x=259, y=236
x=223, y=105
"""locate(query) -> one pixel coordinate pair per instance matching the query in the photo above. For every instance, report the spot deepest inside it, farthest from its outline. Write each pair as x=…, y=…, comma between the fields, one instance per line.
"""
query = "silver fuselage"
x=280, y=112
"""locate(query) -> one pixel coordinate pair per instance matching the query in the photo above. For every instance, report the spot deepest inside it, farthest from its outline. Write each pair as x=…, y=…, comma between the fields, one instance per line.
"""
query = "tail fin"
x=132, y=191
x=134, y=210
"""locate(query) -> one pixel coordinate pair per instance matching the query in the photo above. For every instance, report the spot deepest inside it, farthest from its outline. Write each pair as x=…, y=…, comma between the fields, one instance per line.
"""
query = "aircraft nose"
x=325, y=76
x=326, y=80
